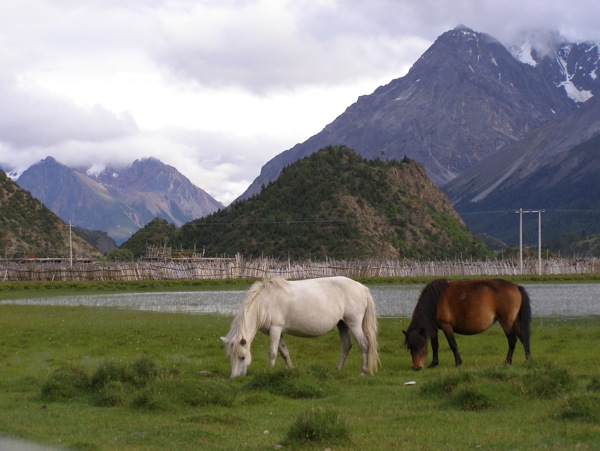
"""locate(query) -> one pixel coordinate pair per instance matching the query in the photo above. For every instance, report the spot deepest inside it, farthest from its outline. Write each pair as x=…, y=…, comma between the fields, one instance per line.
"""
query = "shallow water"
x=548, y=300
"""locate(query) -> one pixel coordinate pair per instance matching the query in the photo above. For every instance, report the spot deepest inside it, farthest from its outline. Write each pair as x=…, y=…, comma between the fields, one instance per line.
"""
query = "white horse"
x=304, y=308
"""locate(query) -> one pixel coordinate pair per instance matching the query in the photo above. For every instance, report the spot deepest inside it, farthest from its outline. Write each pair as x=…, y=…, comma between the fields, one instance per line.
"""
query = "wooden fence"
x=240, y=267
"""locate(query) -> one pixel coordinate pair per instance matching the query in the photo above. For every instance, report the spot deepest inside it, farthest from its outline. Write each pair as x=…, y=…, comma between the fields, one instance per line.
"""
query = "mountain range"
x=465, y=98
x=481, y=118
x=117, y=200
x=497, y=128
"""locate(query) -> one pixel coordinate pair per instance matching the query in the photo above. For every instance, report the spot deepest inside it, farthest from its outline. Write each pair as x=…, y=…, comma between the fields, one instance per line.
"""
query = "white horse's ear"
x=224, y=340
x=243, y=342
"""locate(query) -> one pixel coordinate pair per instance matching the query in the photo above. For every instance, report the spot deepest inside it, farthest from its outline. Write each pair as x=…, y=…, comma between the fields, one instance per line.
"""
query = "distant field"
x=104, y=379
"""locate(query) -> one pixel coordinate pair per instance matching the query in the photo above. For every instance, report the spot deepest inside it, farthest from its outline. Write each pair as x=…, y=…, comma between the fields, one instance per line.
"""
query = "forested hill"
x=29, y=229
x=336, y=204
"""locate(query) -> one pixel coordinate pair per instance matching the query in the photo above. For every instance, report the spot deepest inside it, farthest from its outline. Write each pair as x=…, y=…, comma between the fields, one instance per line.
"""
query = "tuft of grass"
x=138, y=373
x=120, y=384
x=594, y=385
x=319, y=370
x=318, y=425
x=504, y=373
x=498, y=386
x=67, y=383
x=546, y=380
x=112, y=394
x=580, y=408
x=168, y=394
x=291, y=383
x=444, y=385
x=471, y=399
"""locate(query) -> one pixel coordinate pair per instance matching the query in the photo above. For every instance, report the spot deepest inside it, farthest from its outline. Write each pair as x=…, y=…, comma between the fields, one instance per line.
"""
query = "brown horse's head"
x=416, y=342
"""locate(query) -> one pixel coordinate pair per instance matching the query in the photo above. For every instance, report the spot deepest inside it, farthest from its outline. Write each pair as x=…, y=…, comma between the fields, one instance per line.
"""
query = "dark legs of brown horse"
x=512, y=342
x=434, y=349
x=452, y=342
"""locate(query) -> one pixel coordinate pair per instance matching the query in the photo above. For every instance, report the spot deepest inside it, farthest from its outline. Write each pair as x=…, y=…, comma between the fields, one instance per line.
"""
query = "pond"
x=548, y=300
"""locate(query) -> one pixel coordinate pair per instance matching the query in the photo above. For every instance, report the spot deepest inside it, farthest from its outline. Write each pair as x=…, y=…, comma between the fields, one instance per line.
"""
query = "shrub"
x=318, y=425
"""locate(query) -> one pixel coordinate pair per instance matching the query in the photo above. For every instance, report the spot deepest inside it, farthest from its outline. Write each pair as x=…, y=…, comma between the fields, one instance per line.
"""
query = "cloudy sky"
x=217, y=88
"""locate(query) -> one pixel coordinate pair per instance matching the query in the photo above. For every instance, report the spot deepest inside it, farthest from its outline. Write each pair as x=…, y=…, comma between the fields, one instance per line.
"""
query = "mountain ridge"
x=516, y=162
x=334, y=203
x=28, y=229
x=443, y=113
x=118, y=201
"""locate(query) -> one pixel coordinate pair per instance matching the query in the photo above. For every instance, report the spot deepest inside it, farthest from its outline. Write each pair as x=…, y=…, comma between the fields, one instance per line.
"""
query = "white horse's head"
x=238, y=351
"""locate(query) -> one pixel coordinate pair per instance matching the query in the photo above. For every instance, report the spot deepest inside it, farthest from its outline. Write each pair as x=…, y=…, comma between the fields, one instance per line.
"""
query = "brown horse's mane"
x=424, y=313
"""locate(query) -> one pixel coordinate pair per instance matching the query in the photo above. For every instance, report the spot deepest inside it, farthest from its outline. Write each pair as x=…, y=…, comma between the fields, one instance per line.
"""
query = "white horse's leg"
x=346, y=344
x=283, y=350
x=275, y=336
x=363, y=344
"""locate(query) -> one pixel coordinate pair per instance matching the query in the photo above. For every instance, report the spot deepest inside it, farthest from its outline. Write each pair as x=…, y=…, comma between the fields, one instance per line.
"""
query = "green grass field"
x=105, y=379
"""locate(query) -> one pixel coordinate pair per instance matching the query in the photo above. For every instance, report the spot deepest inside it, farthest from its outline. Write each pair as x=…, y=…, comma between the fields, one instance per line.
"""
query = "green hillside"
x=29, y=229
x=336, y=204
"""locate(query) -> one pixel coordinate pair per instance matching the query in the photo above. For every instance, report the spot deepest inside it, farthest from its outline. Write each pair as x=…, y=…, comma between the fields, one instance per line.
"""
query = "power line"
x=286, y=221
x=547, y=210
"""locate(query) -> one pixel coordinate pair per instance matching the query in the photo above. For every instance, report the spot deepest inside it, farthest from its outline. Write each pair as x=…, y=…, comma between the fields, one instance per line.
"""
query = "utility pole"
x=70, y=244
x=520, y=239
x=520, y=211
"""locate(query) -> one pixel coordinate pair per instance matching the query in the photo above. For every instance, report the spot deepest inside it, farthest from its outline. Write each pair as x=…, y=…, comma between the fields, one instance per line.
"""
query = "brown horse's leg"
x=525, y=342
x=512, y=342
x=452, y=342
x=524, y=337
x=434, y=349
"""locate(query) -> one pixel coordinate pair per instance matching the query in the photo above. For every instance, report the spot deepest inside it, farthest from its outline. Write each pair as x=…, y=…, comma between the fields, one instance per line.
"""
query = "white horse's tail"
x=370, y=327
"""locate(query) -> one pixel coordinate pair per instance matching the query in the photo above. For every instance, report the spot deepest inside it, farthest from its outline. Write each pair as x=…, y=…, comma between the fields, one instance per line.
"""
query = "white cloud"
x=216, y=88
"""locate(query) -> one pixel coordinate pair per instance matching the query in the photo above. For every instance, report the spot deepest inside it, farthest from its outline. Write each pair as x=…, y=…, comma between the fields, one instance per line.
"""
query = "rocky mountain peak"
x=117, y=200
x=463, y=99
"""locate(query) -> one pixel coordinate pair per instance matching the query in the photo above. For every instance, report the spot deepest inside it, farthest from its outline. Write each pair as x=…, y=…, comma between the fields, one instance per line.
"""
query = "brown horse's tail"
x=525, y=321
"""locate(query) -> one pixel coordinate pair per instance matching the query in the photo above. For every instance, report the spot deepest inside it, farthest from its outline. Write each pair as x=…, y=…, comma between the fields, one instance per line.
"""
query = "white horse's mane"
x=253, y=313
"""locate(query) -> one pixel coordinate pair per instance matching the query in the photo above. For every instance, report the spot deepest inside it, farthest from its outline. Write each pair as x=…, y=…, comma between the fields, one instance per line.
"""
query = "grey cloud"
x=335, y=42
x=38, y=119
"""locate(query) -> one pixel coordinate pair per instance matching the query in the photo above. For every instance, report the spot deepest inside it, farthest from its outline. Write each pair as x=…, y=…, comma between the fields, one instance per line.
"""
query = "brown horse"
x=467, y=308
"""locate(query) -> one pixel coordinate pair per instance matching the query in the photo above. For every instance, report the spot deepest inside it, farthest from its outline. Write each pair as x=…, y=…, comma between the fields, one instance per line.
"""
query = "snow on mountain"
x=571, y=66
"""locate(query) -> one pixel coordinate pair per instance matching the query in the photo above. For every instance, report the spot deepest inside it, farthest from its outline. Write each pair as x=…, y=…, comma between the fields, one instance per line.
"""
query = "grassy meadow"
x=105, y=378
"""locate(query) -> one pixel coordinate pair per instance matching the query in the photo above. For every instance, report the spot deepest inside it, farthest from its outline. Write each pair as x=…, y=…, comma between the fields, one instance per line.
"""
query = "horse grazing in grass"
x=304, y=308
x=467, y=308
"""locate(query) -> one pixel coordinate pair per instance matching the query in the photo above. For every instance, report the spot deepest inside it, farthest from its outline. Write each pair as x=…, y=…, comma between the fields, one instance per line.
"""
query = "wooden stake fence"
x=240, y=267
